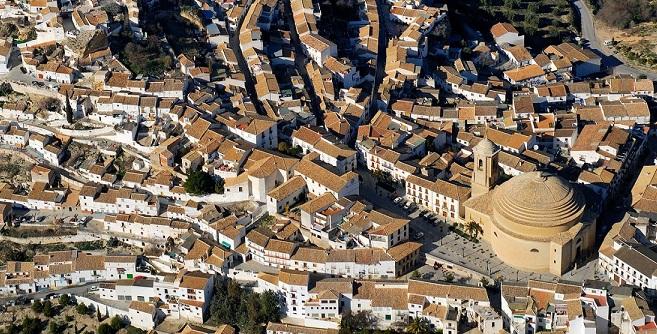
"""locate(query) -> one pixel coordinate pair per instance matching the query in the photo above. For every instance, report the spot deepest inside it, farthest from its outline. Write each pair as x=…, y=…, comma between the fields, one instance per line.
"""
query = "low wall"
x=104, y=309
x=31, y=90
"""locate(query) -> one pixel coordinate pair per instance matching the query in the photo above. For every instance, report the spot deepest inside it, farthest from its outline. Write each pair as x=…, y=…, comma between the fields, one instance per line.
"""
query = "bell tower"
x=486, y=169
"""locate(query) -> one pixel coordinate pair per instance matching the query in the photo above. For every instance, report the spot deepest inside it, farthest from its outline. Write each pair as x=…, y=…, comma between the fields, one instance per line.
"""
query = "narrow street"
x=78, y=290
x=300, y=62
x=234, y=41
x=381, y=54
x=609, y=60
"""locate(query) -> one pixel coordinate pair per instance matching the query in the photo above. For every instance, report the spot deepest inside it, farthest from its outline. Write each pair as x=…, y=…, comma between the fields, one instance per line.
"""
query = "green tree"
x=270, y=307
x=295, y=150
x=64, y=300
x=113, y=242
x=37, y=306
x=283, y=147
x=48, y=309
x=250, y=311
x=32, y=34
x=416, y=274
x=449, y=276
x=531, y=24
x=69, y=110
x=484, y=281
x=357, y=322
x=11, y=329
x=473, y=229
x=134, y=330
x=219, y=185
x=31, y=326
x=199, y=183
x=532, y=8
x=5, y=89
x=51, y=104
x=105, y=329
x=419, y=326
x=116, y=323
x=56, y=327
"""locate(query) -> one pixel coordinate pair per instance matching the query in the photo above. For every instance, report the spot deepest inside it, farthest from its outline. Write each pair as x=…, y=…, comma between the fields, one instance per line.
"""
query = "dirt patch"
x=14, y=169
x=636, y=45
x=67, y=319
x=10, y=251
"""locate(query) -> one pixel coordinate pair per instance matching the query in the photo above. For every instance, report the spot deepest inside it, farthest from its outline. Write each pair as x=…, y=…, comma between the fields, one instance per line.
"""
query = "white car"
x=398, y=200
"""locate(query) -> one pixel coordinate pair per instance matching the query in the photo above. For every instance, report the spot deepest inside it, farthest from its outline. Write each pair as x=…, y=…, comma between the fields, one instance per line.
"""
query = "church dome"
x=485, y=147
x=537, y=205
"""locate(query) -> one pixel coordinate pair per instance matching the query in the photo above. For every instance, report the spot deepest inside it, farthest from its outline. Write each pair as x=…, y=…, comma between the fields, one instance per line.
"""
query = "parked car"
x=419, y=235
x=51, y=295
x=398, y=200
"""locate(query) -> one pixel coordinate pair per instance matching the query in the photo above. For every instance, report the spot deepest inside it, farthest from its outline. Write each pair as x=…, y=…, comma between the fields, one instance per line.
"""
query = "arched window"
x=534, y=250
x=481, y=164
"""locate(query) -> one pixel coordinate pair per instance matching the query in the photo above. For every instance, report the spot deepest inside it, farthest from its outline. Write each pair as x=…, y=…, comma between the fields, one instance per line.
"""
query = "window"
x=481, y=164
x=534, y=250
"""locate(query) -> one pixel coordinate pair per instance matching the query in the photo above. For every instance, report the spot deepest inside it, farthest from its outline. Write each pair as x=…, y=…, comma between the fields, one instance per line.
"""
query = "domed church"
x=535, y=222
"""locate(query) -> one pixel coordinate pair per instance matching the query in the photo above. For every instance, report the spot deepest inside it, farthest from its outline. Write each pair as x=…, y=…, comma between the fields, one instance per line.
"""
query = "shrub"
x=201, y=183
x=37, y=306
x=64, y=300
x=82, y=309
x=48, y=309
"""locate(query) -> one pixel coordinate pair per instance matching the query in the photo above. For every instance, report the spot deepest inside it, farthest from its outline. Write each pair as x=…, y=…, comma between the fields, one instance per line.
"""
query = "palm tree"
x=419, y=326
x=473, y=229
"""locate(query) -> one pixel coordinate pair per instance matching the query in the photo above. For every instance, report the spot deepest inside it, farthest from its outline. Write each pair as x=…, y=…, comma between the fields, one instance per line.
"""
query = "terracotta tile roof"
x=194, y=280
x=323, y=176
x=524, y=73
x=294, y=277
x=281, y=246
x=499, y=29
x=142, y=307
x=439, y=289
x=296, y=329
x=293, y=185
x=307, y=135
x=403, y=250
x=318, y=203
x=259, y=236
x=313, y=255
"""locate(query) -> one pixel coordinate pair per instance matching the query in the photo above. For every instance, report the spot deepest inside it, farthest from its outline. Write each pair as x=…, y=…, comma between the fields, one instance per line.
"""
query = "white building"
x=318, y=48
x=5, y=55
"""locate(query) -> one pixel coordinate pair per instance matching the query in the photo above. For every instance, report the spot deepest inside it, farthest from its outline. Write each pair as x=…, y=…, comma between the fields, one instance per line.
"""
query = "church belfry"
x=486, y=168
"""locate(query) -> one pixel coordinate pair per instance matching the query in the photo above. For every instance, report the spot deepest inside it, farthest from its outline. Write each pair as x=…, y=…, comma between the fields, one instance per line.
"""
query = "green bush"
x=48, y=309
x=82, y=309
x=116, y=323
x=64, y=300
x=105, y=329
x=37, y=306
x=201, y=183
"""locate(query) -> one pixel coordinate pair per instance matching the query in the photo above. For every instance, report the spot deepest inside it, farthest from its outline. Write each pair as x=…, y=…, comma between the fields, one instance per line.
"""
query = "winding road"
x=609, y=60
